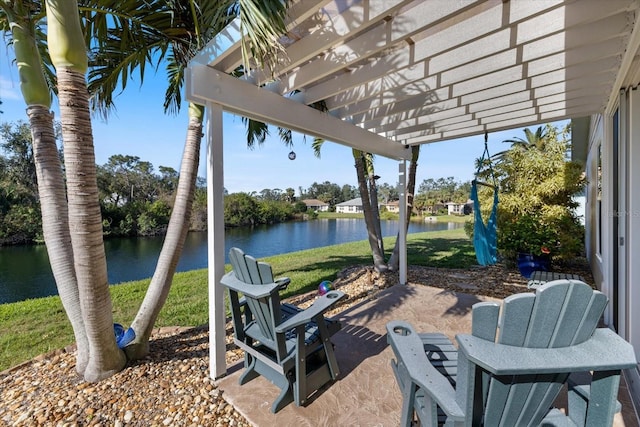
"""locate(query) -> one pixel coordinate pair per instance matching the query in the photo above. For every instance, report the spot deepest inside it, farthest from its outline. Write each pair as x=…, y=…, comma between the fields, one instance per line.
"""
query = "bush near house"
x=537, y=182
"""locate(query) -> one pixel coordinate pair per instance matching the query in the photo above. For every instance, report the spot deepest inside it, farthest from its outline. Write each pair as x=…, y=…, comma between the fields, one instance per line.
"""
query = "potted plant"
x=528, y=241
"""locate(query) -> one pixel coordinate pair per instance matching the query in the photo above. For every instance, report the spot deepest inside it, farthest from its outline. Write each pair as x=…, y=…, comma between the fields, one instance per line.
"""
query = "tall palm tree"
x=394, y=260
x=148, y=33
x=531, y=141
x=84, y=287
x=68, y=54
x=369, y=194
x=537, y=140
x=20, y=19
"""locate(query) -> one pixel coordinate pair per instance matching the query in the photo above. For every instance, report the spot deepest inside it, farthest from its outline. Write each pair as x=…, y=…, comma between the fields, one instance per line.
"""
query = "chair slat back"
x=560, y=314
x=265, y=311
x=248, y=269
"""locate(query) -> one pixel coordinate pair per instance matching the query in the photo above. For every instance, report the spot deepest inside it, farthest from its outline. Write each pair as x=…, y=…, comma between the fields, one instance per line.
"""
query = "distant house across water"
x=393, y=207
x=454, y=208
x=316, y=205
x=350, y=206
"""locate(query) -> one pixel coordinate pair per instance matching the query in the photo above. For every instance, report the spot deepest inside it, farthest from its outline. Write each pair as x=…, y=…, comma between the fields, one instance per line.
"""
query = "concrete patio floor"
x=366, y=393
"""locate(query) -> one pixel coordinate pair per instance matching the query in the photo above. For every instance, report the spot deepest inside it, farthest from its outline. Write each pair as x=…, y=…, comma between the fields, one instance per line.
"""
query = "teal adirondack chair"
x=288, y=346
x=512, y=367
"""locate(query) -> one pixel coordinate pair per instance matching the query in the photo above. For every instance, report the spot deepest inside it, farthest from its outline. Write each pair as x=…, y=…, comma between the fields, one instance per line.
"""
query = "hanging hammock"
x=484, y=235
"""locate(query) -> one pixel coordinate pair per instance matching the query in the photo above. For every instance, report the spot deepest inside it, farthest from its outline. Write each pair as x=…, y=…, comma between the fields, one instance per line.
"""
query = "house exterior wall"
x=391, y=207
x=316, y=205
x=349, y=209
x=455, y=208
x=612, y=218
x=350, y=206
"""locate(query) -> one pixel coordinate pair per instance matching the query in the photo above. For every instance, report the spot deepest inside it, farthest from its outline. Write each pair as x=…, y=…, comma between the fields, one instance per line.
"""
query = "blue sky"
x=140, y=128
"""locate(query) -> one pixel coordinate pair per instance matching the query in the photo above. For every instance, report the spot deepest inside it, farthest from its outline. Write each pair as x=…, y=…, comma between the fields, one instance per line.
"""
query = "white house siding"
x=350, y=206
x=613, y=235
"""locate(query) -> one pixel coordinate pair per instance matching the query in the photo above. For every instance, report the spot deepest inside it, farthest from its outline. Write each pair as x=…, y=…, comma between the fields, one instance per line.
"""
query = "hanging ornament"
x=292, y=155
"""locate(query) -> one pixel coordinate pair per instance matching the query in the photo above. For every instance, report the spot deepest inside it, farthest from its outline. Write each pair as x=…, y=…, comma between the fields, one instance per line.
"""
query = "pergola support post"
x=402, y=232
x=215, y=240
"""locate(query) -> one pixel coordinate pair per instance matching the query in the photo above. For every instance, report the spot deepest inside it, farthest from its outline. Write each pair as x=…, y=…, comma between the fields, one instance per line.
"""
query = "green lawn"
x=38, y=326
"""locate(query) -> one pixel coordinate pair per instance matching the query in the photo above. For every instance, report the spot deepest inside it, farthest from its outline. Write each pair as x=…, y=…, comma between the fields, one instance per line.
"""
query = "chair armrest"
x=602, y=352
x=254, y=291
x=409, y=350
x=320, y=306
x=283, y=282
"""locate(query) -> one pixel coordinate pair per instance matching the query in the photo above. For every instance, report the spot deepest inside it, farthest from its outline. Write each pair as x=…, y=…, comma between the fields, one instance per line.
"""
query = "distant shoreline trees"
x=136, y=199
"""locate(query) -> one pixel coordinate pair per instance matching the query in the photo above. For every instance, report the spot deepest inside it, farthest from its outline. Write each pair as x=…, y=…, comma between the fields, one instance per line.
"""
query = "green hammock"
x=485, y=235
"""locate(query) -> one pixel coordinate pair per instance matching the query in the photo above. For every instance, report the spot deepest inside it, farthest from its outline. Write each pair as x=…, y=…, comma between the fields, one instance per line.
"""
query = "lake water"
x=25, y=272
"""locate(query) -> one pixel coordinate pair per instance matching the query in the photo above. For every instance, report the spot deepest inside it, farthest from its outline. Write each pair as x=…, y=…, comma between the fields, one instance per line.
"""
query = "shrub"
x=536, y=212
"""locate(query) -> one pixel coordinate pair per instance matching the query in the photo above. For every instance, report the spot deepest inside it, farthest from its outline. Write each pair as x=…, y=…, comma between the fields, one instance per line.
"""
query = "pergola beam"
x=205, y=84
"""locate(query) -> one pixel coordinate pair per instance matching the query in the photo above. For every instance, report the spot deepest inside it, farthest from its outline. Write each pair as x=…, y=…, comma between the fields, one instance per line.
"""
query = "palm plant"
x=20, y=21
x=537, y=140
x=73, y=231
x=131, y=36
x=369, y=194
x=531, y=141
x=67, y=50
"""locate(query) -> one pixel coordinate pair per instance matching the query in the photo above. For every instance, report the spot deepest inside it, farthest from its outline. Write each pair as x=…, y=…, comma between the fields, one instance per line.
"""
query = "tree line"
x=136, y=199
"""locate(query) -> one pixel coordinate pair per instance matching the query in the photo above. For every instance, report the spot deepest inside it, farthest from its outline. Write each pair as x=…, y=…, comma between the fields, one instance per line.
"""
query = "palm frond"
x=317, y=146
x=126, y=36
x=286, y=136
x=263, y=22
x=173, y=97
x=257, y=132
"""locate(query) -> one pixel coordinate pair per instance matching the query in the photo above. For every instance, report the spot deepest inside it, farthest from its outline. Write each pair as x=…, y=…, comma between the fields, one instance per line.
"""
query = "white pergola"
x=398, y=73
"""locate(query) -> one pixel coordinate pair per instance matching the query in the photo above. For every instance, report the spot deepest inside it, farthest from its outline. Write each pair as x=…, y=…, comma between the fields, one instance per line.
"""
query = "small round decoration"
x=324, y=287
x=292, y=155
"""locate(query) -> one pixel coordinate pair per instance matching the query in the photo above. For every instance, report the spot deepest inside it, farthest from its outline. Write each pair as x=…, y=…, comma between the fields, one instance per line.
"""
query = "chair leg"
x=250, y=369
x=300, y=386
x=408, y=400
x=286, y=395
x=328, y=349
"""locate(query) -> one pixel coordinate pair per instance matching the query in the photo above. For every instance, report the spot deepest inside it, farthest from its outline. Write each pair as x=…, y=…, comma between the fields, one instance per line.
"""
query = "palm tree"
x=531, y=141
x=67, y=50
x=81, y=252
x=369, y=194
x=537, y=140
x=20, y=20
x=152, y=31
x=394, y=261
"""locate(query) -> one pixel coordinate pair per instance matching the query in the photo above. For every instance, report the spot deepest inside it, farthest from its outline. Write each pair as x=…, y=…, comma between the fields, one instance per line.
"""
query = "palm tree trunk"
x=378, y=256
x=55, y=223
x=85, y=224
x=394, y=261
x=373, y=199
x=174, y=240
x=51, y=187
x=69, y=57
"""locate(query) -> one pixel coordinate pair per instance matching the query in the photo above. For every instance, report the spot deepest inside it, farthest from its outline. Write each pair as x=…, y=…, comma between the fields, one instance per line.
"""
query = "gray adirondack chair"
x=288, y=346
x=510, y=370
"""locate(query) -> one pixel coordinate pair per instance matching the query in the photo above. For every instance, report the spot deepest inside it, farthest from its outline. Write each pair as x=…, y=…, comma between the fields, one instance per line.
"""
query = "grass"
x=39, y=326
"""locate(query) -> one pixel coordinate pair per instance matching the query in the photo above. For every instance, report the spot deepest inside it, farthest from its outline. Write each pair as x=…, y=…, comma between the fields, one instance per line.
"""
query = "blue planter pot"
x=528, y=263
